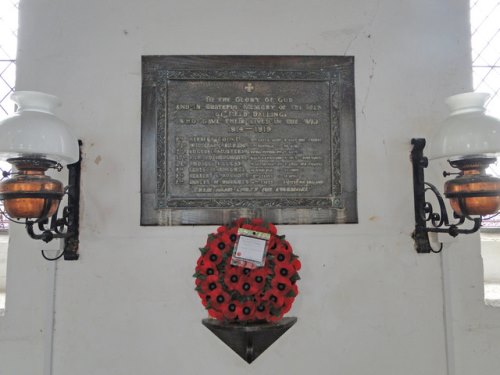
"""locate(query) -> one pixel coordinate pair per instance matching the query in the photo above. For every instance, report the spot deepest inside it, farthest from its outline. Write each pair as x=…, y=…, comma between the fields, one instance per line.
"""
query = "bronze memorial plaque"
x=248, y=136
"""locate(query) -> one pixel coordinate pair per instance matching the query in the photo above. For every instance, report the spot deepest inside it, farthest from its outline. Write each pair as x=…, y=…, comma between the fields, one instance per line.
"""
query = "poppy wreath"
x=236, y=294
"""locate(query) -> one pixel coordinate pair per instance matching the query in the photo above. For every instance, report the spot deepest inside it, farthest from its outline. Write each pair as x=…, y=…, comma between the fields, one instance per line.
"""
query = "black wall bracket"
x=424, y=212
x=67, y=226
x=249, y=341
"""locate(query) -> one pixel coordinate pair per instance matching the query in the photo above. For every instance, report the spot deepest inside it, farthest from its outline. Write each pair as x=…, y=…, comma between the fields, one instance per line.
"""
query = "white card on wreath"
x=250, y=249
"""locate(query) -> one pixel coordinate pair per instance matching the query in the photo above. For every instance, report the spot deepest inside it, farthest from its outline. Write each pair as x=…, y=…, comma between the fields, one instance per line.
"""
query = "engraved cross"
x=249, y=87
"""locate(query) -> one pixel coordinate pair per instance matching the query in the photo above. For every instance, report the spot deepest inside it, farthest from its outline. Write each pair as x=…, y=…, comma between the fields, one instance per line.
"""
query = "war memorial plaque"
x=256, y=136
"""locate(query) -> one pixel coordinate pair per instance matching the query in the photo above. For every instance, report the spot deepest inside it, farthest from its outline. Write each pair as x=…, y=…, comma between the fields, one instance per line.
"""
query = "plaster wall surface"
x=368, y=303
x=4, y=241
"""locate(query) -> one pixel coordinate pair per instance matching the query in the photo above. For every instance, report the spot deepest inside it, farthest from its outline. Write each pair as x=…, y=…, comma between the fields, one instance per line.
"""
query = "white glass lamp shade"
x=35, y=132
x=467, y=131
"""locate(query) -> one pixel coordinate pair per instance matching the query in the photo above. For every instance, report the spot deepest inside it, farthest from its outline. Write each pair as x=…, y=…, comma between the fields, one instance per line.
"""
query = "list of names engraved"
x=248, y=139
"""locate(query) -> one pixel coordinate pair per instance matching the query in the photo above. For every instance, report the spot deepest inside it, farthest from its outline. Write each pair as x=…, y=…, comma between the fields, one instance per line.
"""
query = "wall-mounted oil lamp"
x=34, y=140
x=470, y=141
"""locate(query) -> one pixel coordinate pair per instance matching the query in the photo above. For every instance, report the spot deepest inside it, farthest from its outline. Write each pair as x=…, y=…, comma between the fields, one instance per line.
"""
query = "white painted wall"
x=368, y=303
x=4, y=242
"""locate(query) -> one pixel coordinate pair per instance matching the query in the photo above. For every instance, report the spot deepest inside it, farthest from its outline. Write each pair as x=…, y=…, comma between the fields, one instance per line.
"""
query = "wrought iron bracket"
x=65, y=227
x=424, y=212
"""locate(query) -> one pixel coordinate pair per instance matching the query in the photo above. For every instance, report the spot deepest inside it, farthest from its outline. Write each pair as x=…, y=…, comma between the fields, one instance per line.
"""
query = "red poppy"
x=296, y=264
x=248, y=288
x=273, y=244
x=284, y=269
x=218, y=297
x=282, y=284
x=245, y=311
x=224, y=243
x=259, y=276
x=257, y=221
x=286, y=245
x=214, y=255
x=274, y=298
x=216, y=314
x=272, y=229
x=205, y=298
x=222, y=229
x=261, y=309
x=232, y=233
x=275, y=316
x=287, y=305
x=240, y=222
x=229, y=310
x=201, y=259
x=210, y=284
x=218, y=245
x=281, y=256
x=246, y=271
x=206, y=269
x=232, y=277
x=280, y=244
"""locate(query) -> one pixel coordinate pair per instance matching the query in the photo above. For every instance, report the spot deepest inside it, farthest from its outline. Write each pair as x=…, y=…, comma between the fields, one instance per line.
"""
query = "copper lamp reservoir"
x=30, y=193
x=473, y=192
